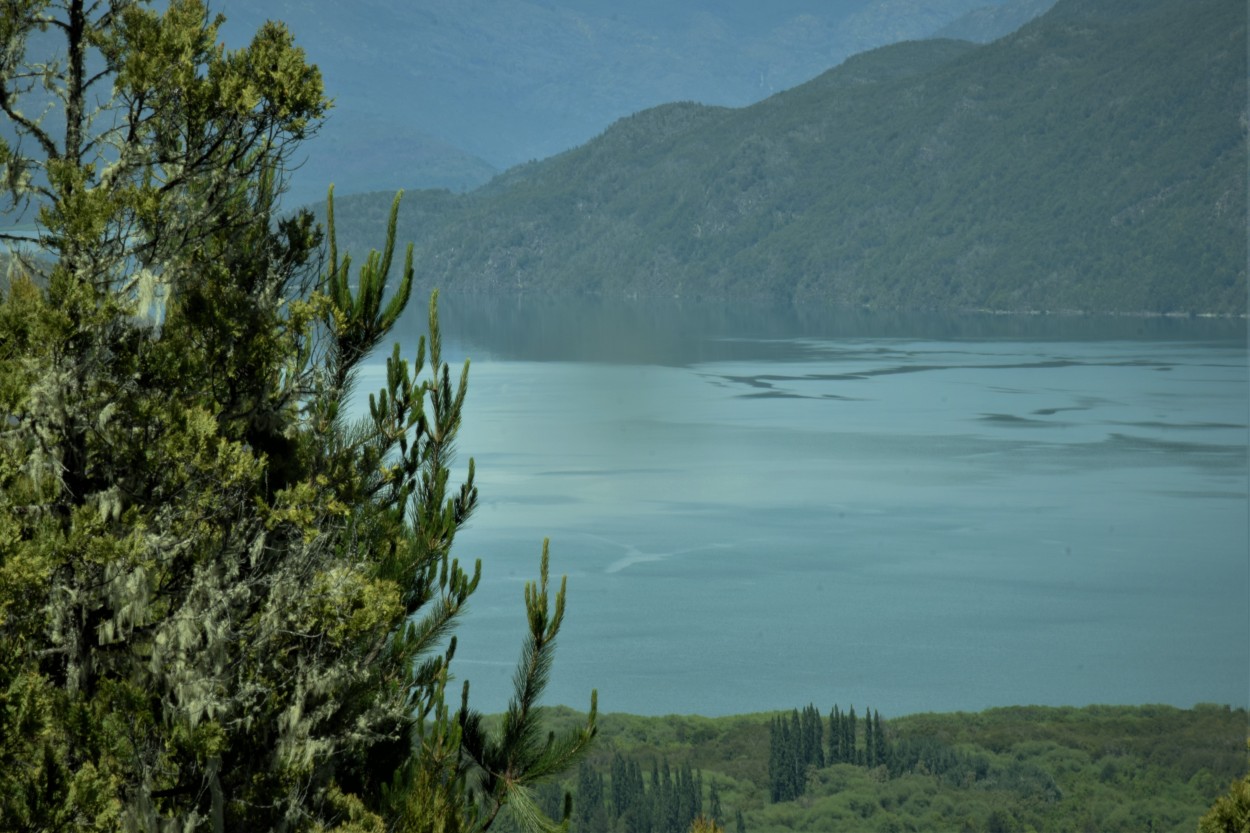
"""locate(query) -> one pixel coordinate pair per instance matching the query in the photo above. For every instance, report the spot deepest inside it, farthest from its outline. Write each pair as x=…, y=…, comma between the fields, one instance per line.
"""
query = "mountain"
x=1093, y=160
x=444, y=93
x=368, y=156
x=992, y=22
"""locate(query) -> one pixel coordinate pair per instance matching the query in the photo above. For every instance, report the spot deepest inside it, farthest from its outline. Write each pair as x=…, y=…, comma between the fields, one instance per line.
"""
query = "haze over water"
x=757, y=508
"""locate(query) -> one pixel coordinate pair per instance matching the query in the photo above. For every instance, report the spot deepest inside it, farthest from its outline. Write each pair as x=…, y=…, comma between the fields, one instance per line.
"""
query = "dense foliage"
x=1094, y=160
x=226, y=600
x=1101, y=769
x=1231, y=812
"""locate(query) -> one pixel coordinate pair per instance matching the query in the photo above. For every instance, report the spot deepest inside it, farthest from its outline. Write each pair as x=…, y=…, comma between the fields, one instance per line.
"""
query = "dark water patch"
x=1012, y=419
x=1204, y=495
x=906, y=368
x=1182, y=395
x=1045, y=364
x=765, y=381
x=754, y=381
x=1118, y=450
x=773, y=394
x=1053, y=411
x=1183, y=426
x=1230, y=456
x=895, y=370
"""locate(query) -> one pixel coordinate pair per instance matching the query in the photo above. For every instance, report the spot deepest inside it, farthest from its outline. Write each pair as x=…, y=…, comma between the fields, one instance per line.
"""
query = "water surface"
x=757, y=508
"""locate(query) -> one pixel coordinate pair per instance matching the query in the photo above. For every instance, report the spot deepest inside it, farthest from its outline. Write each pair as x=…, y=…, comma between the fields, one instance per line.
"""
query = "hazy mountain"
x=442, y=93
x=992, y=22
x=1093, y=160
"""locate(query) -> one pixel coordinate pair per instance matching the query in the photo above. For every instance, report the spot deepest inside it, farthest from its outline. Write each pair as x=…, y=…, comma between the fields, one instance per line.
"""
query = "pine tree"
x=781, y=761
x=813, y=737
x=226, y=603
x=882, y=751
x=670, y=807
x=794, y=756
x=870, y=747
x=588, y=809
x=694, y=803
x=655, y=805
x=683, y=794
x=787, y=767
x=818, y=737
x=849, y=741
x=640, y=812
x=619, y=785
x=836, y=737
x=775, y=766
x=638, y=819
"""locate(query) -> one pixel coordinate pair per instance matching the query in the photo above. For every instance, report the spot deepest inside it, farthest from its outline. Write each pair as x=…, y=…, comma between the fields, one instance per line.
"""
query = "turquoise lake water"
x=760, y=508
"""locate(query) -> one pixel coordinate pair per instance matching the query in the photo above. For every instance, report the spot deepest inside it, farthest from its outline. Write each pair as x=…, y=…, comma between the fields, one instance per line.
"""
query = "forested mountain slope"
x=1094, y=160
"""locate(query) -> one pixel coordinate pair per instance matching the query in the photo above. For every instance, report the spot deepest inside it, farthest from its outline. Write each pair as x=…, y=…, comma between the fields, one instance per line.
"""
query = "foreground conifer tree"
x=223, y=601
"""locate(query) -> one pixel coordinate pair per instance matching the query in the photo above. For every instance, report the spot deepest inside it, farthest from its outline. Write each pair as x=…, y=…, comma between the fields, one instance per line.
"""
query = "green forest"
x=1099, y=769
x=1092, y=161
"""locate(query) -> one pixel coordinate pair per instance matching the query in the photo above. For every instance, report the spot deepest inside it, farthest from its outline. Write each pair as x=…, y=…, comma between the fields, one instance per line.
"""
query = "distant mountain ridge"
x=1094, y=160
x=445, y=93
x=992, y=22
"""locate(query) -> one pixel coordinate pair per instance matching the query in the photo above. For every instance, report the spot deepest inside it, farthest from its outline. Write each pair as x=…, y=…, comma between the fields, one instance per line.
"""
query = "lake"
x=759, y=507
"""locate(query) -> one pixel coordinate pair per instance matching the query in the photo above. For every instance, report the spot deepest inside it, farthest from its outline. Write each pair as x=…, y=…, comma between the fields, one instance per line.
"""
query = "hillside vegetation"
x=1094, y=160
x=1100, y=768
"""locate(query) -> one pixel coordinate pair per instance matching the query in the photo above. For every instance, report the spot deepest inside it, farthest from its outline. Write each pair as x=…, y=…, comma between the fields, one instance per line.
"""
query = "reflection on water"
x=682, y=332
x=762, y=507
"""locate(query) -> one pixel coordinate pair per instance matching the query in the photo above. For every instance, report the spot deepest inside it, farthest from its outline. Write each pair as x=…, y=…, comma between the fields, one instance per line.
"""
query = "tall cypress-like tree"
x=774, y=761
x=797, y=767
x=850, y=741
x=870, y=746
x=882, y=750
x=780, y=765
x=787, y=768
x=619, y=786
x=836, y=736
x=813, y=751
x=226, y=602
x=668, y=805
x=589, y=811
x=656, y=794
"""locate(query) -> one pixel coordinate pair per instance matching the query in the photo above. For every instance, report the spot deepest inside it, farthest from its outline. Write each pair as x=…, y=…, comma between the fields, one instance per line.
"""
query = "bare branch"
x=30, y=127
